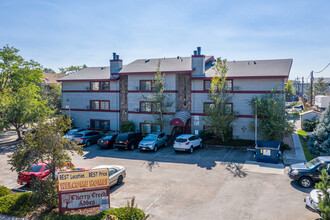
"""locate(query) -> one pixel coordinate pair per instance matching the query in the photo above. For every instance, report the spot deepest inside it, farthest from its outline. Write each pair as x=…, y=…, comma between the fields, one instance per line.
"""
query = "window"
x=228, y=107
x=145, y=106
x=112, y=171
x=145, y=85
x=100, y=105
x=207, y=85
x=100, y=86
x=149, y=128
x=100, y=124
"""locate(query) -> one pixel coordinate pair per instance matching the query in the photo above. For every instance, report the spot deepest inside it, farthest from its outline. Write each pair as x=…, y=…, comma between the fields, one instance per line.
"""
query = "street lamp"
x=255, y=124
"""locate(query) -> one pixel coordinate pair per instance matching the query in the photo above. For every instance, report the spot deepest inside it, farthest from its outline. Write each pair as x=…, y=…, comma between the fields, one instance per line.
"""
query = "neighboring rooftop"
x=89, y=73
x=51, y=78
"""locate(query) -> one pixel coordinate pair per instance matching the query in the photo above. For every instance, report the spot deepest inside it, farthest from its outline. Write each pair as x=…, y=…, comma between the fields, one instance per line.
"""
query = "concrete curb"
x=300, y=156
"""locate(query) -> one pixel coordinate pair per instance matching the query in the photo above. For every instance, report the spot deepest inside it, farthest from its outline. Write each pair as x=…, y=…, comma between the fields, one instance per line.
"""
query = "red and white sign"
x=82, y=199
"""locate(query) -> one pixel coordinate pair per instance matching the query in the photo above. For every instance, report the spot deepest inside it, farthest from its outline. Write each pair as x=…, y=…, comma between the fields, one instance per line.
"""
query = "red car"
x=39, y=170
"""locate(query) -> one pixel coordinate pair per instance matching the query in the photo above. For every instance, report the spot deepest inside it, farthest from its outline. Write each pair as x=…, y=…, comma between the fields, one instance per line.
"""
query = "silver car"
x=69, y=135
x=153, y=141
x=116, y=173
x=187, y=142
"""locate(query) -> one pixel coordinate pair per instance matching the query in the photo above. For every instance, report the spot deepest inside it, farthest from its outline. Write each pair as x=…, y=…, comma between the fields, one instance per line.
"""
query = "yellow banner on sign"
x=83, y=179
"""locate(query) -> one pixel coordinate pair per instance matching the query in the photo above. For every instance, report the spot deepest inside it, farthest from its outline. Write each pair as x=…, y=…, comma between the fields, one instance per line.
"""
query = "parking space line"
x=231, y=149
x=152, y=203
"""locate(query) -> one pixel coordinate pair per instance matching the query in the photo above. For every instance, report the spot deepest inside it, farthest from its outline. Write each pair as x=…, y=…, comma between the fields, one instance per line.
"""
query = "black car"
x=128, y=140
x=87, y=137
x=308, y=173
x=107, y=140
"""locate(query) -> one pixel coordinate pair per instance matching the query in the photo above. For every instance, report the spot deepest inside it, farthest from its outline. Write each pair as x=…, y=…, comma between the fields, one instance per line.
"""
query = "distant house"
x=100, y=97
x=327, y=81
x=51, y=78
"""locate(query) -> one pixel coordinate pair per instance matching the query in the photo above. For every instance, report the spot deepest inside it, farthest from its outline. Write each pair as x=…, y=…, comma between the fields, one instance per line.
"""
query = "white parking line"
x=231, y=149
x=151, y=204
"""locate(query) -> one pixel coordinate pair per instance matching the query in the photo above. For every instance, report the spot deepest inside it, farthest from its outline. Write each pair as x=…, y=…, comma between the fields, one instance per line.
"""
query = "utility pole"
x=302, y=87
x=311, y=95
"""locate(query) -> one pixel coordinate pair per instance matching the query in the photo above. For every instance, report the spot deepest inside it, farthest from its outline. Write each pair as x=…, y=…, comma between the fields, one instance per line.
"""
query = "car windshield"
x=180, y=140
x=313, y=163
x=150, y=137
x=71, y=132
x=78, y=135
x=35, y=168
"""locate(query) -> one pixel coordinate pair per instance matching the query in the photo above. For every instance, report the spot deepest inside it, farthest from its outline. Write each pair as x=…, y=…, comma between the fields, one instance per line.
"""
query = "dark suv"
x=308, y=173
x=128, y=140
x=87, y=137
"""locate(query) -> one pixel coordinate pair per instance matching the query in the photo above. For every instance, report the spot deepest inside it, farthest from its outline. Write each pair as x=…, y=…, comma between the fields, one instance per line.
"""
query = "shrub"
x=205, y=135
x=130, y=212
x=44, y=192
x=127, y=126
x=4, y=191
x=18, y=204
x=295, y=114
x=310, y=125
x=284, y=147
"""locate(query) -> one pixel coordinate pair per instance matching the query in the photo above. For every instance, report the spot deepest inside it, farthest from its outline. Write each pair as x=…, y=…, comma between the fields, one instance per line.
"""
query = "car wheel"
x=305, y=182
x=191, y=149
x=201, y=145
x=155, y=148
x=88, y=144
x=120, y=180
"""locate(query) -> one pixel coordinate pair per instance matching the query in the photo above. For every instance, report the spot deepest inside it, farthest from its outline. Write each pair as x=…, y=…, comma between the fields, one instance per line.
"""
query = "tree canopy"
x=71, y=69
x=324, y=201
x=289, y=91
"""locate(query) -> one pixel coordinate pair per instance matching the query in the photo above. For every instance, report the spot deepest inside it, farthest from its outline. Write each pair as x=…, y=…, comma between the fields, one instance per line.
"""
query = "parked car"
x=187, y=142
x=87, y=137
x=297, y=108
x=153, y=141
x=107, y=140
x=128, y=140
x=308, y=173
x=70, y=134
x=116, y=173
x=312, y=200
x=39, y=170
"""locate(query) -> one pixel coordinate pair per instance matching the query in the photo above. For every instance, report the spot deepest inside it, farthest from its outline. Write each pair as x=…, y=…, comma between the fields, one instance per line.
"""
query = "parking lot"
x=211, y=183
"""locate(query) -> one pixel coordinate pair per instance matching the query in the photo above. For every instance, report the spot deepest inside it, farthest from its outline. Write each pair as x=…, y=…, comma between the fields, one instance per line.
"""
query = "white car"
x=187, y=142
x=116, y=173
x=312, y=200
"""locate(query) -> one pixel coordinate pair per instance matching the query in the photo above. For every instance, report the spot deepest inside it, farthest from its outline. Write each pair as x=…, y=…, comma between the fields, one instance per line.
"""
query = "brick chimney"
x=115, y=64
x=198, y=63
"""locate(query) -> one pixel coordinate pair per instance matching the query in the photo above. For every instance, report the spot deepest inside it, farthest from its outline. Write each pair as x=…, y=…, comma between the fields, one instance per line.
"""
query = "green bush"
x=205, y=135
x=69, y=216
x=127, y=126
x=4, y=191
x=284, y=147
x=310, y=125
x=18, y=204
x=130, y=212
x=45, y=192
x=295, y=114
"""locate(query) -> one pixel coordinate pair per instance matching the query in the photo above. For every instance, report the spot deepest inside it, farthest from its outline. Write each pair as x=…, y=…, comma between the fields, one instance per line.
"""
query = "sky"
x=61, y=33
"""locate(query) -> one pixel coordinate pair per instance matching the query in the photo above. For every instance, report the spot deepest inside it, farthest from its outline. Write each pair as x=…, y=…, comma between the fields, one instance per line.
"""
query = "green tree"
x=22, y=107
x=319, y=142
x=71, y=69
x=127, y=126
x=53, y=95
x=48, y=70
x=160, y=102
x=289, y=91
x=219, y=115
x=15, y=72
x=320, y=86
x=45, y=144
x=324, y=200
x=272, y=118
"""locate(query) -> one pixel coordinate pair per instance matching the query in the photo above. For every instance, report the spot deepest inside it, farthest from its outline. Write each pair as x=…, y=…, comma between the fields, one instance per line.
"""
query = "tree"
x=219, y=115
x=15, y=72
x=53, y=95
x=159, y=101
x=289, y=91
x=320, y=86
x=319, y=142
x=272, y=118
x=45, y=144
x=48, y=70
x=324, y=200
x=71, y=69
x=22, y=107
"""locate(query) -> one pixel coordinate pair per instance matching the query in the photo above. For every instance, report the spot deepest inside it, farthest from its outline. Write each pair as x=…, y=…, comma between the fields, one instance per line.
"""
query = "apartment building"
x=99, y=97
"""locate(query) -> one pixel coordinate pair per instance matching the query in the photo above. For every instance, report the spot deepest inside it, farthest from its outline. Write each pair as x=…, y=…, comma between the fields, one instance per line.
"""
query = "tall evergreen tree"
x=324, y=200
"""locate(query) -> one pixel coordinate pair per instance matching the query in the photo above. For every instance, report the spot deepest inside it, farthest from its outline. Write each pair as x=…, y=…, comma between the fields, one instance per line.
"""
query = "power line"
x=323, y=68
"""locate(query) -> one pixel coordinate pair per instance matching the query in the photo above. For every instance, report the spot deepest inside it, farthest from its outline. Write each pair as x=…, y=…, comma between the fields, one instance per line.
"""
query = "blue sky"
x=63, y=33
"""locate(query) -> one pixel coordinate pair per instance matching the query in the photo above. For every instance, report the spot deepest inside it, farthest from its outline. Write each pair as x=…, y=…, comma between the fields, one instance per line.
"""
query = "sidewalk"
x=296, y=154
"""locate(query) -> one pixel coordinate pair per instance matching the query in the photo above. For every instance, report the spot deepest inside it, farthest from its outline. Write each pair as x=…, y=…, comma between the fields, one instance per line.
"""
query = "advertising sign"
x=83, y=199
x=83, y=180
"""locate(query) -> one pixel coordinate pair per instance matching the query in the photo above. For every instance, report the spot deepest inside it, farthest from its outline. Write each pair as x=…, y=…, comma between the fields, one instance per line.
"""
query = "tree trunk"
x=19, y=137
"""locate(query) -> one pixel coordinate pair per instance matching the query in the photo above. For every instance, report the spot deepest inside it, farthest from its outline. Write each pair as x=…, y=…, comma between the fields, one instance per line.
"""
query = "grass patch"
x=304, y=144
x=233, y=142
x=18, y=204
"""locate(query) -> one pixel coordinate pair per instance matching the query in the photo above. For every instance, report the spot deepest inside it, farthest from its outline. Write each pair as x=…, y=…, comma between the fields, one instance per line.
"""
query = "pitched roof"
x=256, y=68
x=50, y=78
x=89, y=73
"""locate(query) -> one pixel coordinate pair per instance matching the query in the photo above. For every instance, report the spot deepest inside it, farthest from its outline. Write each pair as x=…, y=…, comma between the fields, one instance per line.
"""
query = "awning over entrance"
x=180, y=118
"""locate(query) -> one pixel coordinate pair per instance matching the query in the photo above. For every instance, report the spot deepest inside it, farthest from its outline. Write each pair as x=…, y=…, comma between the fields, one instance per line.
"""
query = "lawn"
x=304, y=144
